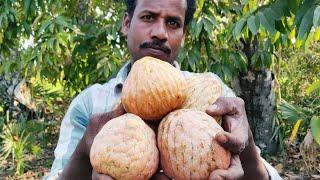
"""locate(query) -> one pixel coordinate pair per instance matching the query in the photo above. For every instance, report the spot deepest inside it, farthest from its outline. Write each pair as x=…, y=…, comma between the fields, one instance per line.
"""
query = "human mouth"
x=157, y=53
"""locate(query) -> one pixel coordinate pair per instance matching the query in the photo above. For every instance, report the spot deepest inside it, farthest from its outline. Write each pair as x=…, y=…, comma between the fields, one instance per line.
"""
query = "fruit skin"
x=153, y=88
x=203, y=90
x=187, y=146
x=125, y=148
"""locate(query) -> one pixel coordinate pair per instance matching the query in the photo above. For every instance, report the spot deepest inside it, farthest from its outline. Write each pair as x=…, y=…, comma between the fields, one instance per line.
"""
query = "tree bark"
x=256, y=88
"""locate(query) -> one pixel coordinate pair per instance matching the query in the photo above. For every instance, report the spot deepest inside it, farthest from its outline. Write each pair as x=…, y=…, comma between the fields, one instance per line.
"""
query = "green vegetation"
x=51, y=50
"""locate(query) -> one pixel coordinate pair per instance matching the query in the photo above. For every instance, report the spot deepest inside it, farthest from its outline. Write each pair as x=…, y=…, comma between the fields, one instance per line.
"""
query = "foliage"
x=255, y=30
x=81, y=46
x=22, y=139
x=15, y=142
x=298, y=80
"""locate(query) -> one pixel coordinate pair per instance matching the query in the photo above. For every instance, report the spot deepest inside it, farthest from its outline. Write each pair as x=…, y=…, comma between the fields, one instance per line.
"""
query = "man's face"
x=156, y=29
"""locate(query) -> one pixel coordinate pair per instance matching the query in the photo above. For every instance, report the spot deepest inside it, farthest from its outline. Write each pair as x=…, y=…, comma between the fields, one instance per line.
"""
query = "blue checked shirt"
x=98, y=99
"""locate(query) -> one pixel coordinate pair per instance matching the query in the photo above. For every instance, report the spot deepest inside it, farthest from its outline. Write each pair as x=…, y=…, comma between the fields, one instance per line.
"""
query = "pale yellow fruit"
x=203, y=91
x=125, y=148
x=153, y=88
x=187, y=146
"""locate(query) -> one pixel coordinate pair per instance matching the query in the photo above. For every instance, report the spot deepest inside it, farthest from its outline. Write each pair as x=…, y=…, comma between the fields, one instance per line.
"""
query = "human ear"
x=183, y=38
x=125, y=24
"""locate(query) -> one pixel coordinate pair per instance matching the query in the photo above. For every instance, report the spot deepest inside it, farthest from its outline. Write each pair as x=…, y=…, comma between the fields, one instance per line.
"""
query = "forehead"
x=170, y=7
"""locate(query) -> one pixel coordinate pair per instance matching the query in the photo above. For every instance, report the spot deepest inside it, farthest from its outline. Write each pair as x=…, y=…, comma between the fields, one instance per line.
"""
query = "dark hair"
x=191, y=7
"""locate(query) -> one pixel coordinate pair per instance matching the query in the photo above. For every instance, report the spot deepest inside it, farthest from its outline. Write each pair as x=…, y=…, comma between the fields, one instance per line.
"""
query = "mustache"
x=156, y=45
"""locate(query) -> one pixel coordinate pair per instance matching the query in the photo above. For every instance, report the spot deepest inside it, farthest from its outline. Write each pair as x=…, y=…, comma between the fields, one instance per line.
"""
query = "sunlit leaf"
x=306, y=23
x=315, y=128
x=316, y=17
x=238, y=27
x=267, y=22
x=295, y=130
x=253, y=24
x=313, y=87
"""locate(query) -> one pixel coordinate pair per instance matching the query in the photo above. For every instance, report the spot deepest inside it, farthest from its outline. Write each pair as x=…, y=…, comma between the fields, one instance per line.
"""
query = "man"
x=152, y=28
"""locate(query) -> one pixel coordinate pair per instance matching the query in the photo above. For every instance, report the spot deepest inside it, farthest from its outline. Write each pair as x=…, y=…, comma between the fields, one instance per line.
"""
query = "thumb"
x=118, y=111
x=223, y=106
x=230, y=142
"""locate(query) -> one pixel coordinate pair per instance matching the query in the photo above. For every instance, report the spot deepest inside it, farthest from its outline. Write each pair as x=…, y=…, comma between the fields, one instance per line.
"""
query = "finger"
x=97, y=176
x=225, y=106
x=235, y=171
x=118, y=111
x=103, y=118
x=235, y=144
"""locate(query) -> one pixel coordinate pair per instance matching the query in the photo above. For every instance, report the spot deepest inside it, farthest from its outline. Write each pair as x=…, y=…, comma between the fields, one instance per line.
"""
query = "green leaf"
x=306, y=23
x=316, y=17
x=41, y=4
x=44, y=25
x=207, y=26
x=238, y=28
x=26, y=7
x=275, y=11
x=315, y=128
x=268, y=59
x=267, y=23
x=302, y=11
x=280, y=27
x=253, y=24
x=290, y=112
x=293, y=5
x=27, y=27
x=198, y=27
x=244, y=2
x=316, y=34
x=199, y=8
x=63, y=21
x=313, y=87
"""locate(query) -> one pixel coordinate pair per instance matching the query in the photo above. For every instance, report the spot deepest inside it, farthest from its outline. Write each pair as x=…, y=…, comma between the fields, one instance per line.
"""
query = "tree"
x=240, y=40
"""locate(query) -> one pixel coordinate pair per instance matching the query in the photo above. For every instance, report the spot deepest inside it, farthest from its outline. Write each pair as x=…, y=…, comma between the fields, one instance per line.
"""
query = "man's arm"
x=79, y=166
x=251, y=161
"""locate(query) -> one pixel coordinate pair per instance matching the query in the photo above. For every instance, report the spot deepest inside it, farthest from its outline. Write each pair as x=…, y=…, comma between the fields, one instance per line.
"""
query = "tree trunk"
x=256, y=89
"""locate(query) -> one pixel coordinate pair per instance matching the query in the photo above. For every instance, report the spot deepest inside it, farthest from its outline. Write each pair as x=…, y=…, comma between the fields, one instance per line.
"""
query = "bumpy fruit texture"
x=153, y=88
x=187, y=146
x=125, y=148
x=203, y=91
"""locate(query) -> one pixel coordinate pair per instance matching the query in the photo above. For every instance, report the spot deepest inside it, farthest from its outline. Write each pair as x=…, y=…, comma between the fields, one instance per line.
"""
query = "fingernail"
x=221, y=138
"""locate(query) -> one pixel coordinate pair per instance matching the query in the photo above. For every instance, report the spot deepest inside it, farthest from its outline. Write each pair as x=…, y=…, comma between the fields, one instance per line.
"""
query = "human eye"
x=147, y=17
x=173, y=23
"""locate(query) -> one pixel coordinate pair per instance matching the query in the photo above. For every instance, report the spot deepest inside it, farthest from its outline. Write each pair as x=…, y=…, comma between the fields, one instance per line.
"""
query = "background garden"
x=268, y=51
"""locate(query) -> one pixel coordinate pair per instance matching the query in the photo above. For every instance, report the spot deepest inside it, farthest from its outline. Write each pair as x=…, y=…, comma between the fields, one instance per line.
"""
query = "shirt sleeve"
x=72, y=129
x=273, y=173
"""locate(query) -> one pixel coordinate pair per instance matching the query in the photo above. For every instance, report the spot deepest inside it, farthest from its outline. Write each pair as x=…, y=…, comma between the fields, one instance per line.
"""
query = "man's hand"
x=79, y=166
x=238, y=139
x=234, y=122
x=96, y=123
x=235, y=171
x=97, y=176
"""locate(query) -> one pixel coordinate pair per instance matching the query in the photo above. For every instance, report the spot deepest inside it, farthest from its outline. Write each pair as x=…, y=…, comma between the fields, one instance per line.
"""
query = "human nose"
x=159, y=31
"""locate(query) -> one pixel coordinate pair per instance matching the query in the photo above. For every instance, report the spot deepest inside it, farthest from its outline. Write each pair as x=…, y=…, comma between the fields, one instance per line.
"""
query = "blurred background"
x=267, y=51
